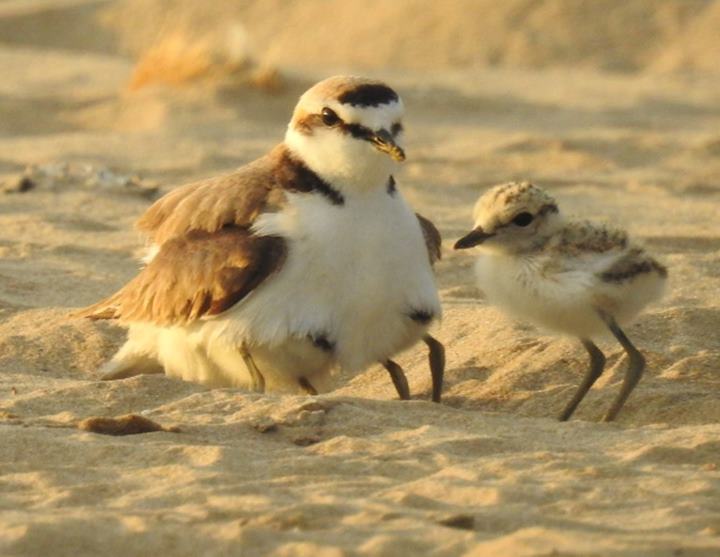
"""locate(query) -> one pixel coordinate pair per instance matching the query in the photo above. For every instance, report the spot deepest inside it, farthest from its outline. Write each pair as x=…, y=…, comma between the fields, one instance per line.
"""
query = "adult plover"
x=572, y=277
x=303, y=261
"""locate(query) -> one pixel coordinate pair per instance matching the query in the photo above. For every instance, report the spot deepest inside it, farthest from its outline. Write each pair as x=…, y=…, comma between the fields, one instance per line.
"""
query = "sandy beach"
x=614, y=110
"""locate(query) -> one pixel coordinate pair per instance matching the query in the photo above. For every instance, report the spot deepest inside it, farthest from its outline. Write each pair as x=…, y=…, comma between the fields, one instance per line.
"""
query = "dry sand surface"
x=355, y=472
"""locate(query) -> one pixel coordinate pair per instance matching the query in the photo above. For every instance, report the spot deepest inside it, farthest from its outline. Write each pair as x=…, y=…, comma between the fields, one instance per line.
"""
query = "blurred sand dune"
x=413, y=34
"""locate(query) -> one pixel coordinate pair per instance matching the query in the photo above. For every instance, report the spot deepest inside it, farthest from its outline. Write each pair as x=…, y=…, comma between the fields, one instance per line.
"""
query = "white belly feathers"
x=561, y=301
x=353, y=275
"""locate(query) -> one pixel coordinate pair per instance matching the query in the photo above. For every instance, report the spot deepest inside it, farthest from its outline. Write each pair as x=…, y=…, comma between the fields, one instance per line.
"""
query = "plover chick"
x=571, y=277
x=304, y=261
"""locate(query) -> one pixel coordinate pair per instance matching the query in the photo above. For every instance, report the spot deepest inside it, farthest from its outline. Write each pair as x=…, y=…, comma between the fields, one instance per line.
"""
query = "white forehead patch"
x=373, y=117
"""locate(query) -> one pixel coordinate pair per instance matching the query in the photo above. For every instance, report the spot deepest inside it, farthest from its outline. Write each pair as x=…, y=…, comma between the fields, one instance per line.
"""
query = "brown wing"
x=633, y=263
x=199, y=274
x=579, y=237
x=433, y=240
x=234, y=199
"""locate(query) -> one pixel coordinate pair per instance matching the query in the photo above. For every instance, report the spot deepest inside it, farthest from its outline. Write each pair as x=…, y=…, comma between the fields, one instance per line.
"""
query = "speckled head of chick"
x=566, y=276
x=512, y=217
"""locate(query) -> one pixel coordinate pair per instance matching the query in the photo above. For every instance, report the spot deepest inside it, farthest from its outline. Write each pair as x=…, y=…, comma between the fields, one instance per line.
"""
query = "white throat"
x=348, y=164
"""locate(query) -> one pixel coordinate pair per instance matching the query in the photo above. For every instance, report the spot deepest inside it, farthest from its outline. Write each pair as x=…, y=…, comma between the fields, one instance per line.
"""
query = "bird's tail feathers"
x=104, y=309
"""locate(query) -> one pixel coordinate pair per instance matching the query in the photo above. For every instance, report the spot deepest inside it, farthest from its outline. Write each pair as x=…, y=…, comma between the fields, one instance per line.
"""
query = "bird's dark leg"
x=597, y=364
x=437, y=365
x=257, y=381
x=307, y=386
x=398, y=378
x=636, y=365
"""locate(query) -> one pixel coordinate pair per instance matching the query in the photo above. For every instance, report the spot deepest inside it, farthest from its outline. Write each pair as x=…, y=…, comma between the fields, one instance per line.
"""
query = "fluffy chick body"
x=570, y=277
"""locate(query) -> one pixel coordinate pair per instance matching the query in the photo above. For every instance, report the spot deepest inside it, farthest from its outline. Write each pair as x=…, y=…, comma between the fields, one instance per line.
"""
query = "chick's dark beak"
x=476, y=236
x=385, y=143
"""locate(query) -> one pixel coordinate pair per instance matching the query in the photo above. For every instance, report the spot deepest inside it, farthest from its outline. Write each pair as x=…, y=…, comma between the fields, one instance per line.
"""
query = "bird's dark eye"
x=396, y=128
x=523, y=219
x=329, y=117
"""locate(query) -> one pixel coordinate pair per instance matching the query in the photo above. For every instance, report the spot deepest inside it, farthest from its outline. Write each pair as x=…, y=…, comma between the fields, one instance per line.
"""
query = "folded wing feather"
x=433, y=240
x=195, y=275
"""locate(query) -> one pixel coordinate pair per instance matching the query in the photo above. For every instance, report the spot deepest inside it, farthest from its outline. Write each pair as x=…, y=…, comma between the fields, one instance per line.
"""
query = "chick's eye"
x=329, y=117
x=523, y=219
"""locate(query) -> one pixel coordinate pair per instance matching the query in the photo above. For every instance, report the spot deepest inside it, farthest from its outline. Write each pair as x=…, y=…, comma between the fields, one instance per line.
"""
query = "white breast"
x=561, y=301
x=565, y=294
x=354, y=273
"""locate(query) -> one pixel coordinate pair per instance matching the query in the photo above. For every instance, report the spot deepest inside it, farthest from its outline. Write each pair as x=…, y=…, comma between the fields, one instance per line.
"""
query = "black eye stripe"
x=358, y=131
x=330, y=118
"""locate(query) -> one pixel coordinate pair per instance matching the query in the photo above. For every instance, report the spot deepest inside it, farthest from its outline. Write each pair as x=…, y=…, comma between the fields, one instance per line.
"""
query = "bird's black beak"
x=476, y=236
x=385, y=143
